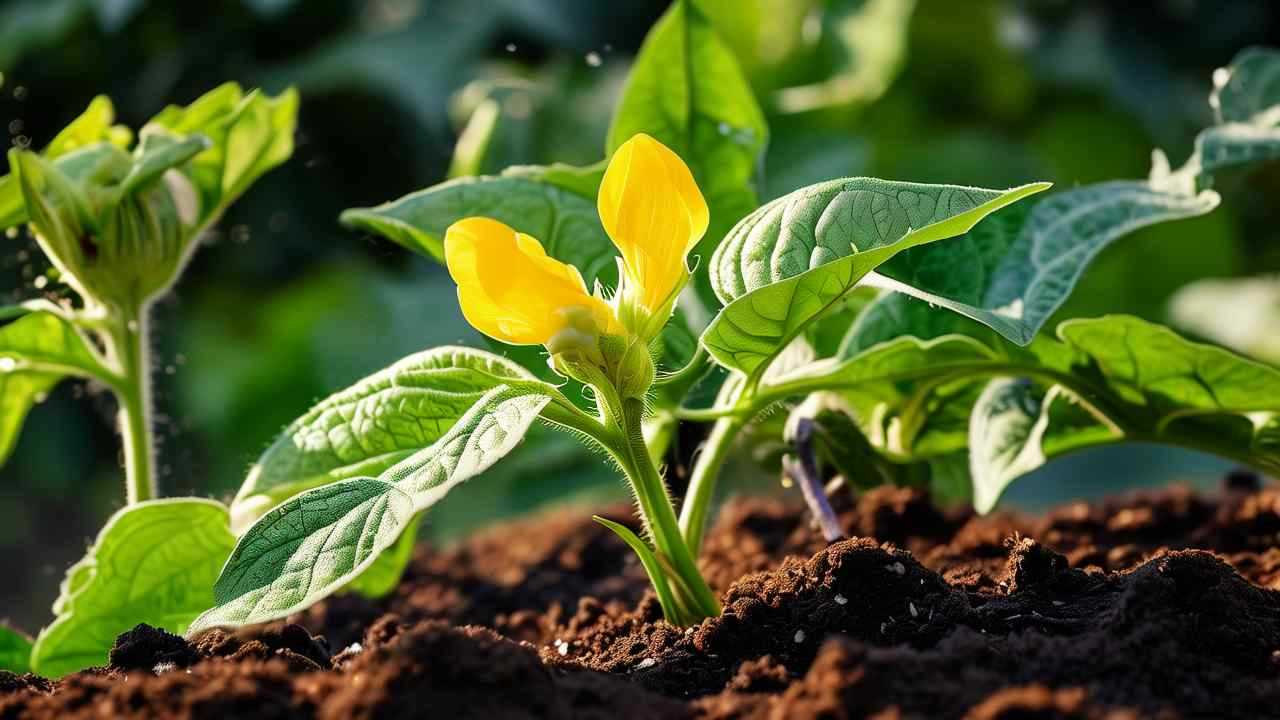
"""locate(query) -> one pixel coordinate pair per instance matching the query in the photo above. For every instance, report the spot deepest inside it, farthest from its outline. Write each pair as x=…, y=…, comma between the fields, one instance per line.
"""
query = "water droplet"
x=11, y=233
x=1221, y=77
x=594, y=59
x=511, y=47
x=40, y=397
x=169, y=369
x=15, y=126
x=8, y=364
x=22, y=141
x=724, y=128
x=133, y=326
x=20, y=93
x=40, y=282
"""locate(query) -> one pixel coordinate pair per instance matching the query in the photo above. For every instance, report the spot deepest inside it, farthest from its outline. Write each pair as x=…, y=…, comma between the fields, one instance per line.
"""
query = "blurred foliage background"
x=282, y=306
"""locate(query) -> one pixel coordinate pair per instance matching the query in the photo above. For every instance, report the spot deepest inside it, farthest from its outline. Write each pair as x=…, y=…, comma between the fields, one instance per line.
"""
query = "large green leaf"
x=307, y=548
x=374, y=424
x=797, y=257
x=1022, y=265
x=1029, y=260
x=154, y=562
x=1104, y=380
x=383, y=575
x=564, y=221
x=321, y=540
x=687, y=90
x=36, y=352
x=15, y=651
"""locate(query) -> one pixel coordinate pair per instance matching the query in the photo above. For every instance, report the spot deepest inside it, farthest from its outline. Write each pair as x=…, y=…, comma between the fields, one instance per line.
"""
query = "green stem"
x=660, y=518
x=702, y=482
x=129, y=342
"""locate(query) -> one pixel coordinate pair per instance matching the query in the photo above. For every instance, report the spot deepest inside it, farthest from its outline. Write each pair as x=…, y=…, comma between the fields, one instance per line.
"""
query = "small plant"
x=613, y=295
x=348, y=479
x=119, y=220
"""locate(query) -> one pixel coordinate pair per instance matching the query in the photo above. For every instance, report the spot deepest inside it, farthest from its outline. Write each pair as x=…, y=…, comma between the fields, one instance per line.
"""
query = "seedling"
x=119, y=220
x=345, y=481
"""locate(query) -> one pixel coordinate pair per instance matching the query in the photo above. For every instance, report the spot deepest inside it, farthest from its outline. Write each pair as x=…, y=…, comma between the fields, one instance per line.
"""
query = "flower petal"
x=652, y=209
x=508, y=286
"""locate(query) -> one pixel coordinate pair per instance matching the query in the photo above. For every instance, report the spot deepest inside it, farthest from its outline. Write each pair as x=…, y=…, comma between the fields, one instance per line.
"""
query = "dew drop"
x=724, y=128
x=511, y=47
x=594, y=59
x=40, y=282
x=8, y=364
x=133, y=326
x=20, y=93
x=1221, y=77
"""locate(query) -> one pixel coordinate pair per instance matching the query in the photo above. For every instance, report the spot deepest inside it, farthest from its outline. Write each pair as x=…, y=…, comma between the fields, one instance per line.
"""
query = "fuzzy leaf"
x=306, y=549
x=687, y=90
x=381, y=578
x=1028, y=262
x=564, y=221
x=153, y=563
x=321, y=540
x=37, y=351
x=374, y=424
x=799, y=256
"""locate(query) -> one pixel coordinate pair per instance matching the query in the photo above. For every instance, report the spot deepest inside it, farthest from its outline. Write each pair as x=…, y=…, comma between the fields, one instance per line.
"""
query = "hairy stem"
x=129, y=345
x=693, y=593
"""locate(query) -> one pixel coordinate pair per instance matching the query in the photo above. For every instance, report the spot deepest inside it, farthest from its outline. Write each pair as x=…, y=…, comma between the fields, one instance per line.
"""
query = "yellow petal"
x=508, y=286
x=652, y=209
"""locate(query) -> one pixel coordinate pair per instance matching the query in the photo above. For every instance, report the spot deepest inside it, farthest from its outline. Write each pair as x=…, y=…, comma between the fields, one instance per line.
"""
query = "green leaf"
x=374, y=424
x=95, y=125
x=649, y=561
x=1113, y=378
x=154, y=562
x=1004, y=438
x=1027, y=262
x=251, y=133
x=15, y=651
x=319, y=541
x=37, y=351
x=564, y=221
x=305, y=550
x=799, y=256
x=687, y=90
x=381, y=578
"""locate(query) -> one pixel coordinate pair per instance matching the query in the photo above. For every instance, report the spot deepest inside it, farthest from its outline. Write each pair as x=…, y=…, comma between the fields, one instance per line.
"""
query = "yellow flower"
x=512, y=291
x=652, y=209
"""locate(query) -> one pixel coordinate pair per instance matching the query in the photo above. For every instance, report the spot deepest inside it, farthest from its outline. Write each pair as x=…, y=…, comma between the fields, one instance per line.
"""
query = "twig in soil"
x=804, y=472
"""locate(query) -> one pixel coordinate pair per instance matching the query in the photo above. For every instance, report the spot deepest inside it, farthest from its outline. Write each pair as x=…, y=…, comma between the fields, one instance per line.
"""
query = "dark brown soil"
x=1163, y=605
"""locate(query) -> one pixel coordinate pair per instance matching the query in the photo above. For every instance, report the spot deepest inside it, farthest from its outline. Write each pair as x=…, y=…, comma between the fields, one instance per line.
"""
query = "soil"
x=1162, y=604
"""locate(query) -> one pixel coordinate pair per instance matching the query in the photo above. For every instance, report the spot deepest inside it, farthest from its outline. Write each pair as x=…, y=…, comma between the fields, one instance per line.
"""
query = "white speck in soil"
x=354, y=647
x=1059, y=603
x=896, y=568
x=911, y=607
x=646, y=663
x=841, y=600
x=799, y=638
x=562, y=647
x=163, y=667
x=882, y=627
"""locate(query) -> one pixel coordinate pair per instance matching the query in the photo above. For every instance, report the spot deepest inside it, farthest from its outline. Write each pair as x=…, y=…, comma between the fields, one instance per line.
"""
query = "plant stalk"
x=692, y=591
x=132, y=352
x=702, y=481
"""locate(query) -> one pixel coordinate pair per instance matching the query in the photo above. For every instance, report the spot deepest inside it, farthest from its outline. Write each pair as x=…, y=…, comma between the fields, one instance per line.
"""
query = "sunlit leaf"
x=154, y=562
x=799, y=256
